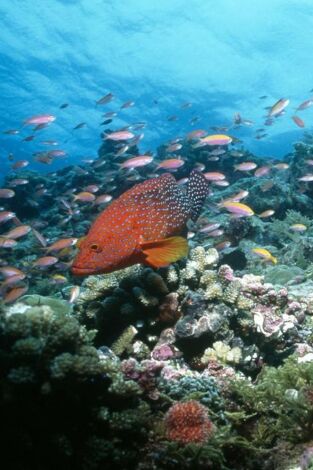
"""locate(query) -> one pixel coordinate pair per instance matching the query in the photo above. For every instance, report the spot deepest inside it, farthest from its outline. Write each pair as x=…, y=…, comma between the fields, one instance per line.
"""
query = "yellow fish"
x=265, y=254
x=298, y=227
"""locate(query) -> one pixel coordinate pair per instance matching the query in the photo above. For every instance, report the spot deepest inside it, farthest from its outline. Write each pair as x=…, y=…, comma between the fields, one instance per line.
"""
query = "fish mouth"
x=78, y=271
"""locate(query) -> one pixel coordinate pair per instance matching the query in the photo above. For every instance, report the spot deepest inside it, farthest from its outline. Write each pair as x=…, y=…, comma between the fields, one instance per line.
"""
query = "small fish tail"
x=197, y=191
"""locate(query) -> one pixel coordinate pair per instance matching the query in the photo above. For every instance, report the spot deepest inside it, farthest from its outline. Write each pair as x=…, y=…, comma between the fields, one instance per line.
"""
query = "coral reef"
x=204, y=364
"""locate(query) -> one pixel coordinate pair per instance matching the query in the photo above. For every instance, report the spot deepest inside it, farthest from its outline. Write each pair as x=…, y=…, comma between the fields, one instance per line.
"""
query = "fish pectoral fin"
x=80, y=241
x=160, y=253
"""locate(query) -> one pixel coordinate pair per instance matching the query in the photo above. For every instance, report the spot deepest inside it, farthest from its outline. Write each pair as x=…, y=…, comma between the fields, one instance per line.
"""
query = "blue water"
x=219, y=55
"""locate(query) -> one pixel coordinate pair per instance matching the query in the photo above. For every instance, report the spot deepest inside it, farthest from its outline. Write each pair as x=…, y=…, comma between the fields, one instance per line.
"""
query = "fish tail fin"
x=160, y=253
x=197, y=191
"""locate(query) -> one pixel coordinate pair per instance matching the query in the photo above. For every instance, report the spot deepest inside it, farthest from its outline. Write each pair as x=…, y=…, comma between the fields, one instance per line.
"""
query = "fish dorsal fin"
x=160, y=253
x=197, y=191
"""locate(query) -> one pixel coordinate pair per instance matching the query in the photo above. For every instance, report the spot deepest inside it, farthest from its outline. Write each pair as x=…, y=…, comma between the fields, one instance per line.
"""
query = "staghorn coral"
x=124, y=341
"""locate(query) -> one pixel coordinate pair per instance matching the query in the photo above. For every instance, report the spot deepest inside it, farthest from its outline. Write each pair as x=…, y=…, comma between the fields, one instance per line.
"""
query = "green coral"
x=203, y=389
x=124, y=341
x=64, y=404
x=282, y=401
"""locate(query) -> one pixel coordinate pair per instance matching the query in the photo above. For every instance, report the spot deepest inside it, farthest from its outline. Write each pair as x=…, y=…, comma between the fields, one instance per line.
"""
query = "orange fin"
x=80, y=241
x=161, y=253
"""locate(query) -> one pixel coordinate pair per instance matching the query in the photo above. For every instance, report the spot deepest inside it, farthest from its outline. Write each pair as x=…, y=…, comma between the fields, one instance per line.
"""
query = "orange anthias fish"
x=142, y=226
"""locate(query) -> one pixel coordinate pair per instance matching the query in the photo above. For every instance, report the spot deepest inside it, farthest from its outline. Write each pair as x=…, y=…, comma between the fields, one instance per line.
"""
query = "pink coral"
x=188, y=422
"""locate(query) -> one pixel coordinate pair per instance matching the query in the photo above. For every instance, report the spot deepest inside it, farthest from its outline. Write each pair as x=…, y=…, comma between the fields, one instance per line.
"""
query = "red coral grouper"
x=142, y=226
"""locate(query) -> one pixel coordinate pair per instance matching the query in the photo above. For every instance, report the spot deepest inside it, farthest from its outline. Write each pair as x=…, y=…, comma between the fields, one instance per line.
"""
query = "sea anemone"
x=188, y=422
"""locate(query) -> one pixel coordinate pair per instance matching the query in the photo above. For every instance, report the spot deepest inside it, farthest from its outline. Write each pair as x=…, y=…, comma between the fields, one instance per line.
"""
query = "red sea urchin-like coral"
x=188, y=422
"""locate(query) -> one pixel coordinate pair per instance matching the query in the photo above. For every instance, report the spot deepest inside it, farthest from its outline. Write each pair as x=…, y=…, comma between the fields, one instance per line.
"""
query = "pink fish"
x=19, y=164
x=8, y=271
x=128, y=104
x=245, y=166
x=49, y=142
x=209, y=227
x=122, y=150
x=136, y=162
x=216, y=139
x=238, y=196
x=40, y=119
x=6, y=193
x=56, y=153
x=10, y=281
x=222, y=183
x=182, y=181
x=103, y=199
x=15, y=294
x=41, y=239
x=199, y=166
x=214, y=176
x=84, y=196
x=18, y=232
x=6, y=215
x=196, y=134
x=217, y=152
x=281, y=166
x=18, y=182
x=267, y=213
x=110, y=114
x=262, y=171
x=45, y=261
x=278, y=107
x=306, y=178
x=61, y=244
x=222, y=245
x=74, y=294
x=171, y=164
x=7, y=242
x=298, y=121
x=237, y=208
x=105, y=99
x=91, y=188
x=173, y=147
x=305, y=104
x=215, y=233
x=119, y=135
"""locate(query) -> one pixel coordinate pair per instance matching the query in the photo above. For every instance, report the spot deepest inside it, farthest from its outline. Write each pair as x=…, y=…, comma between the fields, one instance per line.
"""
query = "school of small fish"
x=148, y=221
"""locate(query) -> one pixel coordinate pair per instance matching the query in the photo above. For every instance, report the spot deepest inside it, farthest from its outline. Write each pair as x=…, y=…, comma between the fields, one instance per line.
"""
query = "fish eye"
x=96, y=248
